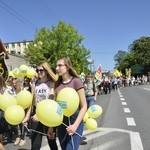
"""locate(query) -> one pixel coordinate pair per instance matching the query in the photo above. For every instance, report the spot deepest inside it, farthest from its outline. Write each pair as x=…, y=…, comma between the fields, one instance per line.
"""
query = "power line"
x=43, y=7
x=18, y=16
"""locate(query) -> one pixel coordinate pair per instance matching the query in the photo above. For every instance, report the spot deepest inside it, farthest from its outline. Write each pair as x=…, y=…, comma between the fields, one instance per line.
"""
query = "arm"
x=27, y=116
x=83, y=108
x=51, y=131
x=95, y=93
x=51, y=96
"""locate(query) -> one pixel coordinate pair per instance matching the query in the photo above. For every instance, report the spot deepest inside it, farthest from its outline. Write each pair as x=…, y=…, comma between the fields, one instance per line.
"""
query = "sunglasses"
x=39, y=70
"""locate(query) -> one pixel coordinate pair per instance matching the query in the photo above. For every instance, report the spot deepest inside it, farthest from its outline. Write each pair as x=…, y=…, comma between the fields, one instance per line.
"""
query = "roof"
x=3, y=49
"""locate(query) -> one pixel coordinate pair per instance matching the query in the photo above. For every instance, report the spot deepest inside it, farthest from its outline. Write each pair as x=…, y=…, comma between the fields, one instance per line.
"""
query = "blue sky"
x=107, y=25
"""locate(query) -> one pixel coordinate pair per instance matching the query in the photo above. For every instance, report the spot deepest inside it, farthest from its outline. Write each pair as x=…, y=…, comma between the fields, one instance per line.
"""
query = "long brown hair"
x=47, y=67
x=67, y=63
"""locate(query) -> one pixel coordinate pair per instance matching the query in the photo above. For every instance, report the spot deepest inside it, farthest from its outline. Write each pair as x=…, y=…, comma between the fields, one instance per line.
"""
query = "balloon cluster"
x=23, y=70
x=14, y=107
x=93, y=112
x=66, y=104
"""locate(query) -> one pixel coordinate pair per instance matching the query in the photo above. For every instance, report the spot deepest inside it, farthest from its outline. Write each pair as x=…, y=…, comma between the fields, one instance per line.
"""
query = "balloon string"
x=32, y=130
x=71, y=135
x=75, y=132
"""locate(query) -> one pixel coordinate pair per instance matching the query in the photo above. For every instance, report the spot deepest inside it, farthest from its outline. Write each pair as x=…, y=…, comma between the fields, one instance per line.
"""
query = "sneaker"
x=17, y=141
x=83, y=138
x=22, y=142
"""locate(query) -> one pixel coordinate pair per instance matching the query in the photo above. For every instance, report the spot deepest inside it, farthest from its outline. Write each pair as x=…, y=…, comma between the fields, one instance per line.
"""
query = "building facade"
x=15, y=51
x=17, y=47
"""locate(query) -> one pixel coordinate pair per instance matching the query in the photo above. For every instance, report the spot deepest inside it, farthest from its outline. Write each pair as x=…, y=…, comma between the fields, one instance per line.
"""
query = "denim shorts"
x=90, y=101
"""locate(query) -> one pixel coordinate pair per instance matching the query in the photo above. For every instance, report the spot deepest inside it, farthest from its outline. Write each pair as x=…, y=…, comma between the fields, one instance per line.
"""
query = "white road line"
x=136, y=143
x=122, y=99
x=109, y=144
x=124, y=103
x=131, y=122
x=120, y=96
x=146, y=89
x=127, y=110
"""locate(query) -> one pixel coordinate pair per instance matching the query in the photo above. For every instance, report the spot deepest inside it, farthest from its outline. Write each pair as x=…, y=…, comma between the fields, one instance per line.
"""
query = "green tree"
x=118, y=58
x=61, y=40
x=141, y=51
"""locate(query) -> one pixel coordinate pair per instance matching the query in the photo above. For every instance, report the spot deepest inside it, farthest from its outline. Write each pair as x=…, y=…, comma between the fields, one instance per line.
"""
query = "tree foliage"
x=138, y=55
x=141, y=50
x=119, y=58
x=61, y=40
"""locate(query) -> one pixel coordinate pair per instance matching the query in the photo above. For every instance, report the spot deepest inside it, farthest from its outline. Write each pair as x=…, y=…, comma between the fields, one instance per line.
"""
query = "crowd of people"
x=46, y=85
x=109, y=83
x=13, y=133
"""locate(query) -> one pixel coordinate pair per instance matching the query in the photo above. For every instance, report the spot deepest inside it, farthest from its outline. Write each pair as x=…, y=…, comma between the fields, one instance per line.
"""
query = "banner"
x=3, y=66
x=98, y=74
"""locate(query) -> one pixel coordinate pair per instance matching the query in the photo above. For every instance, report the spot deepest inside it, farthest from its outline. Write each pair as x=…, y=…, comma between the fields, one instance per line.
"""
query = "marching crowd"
x=47, y=85
x=109, y=83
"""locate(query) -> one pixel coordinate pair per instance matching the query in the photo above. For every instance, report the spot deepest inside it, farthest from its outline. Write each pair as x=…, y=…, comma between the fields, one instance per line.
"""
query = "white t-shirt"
x=42, y=90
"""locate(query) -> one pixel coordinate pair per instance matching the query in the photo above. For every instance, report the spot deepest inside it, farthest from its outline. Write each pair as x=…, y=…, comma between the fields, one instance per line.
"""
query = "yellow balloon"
x=14, y=114
x=11, y=74
x=86, y=116
x=30, y=73
x=68, y=99
x=94, y=111
x=16, y=72
x=49, y=113
x=24, y=99
x=23, y=69
x=7, y=100
x=91, y=124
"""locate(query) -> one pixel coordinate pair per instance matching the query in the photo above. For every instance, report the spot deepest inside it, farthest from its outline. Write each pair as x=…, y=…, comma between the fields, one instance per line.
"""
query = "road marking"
x=120, y=96
x=127, y=110
x=131, y=122
x=136, y=143
x=146, y=89
x=109, y=144
x=124, y=103
x=122, y=99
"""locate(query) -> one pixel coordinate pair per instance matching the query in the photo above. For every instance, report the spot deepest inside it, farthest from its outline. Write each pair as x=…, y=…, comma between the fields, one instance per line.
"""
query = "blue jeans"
x=90, y=101
x=68, y=142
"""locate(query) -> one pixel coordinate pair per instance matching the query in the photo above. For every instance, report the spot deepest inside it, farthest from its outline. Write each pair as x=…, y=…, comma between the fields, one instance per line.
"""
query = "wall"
x=14, y=61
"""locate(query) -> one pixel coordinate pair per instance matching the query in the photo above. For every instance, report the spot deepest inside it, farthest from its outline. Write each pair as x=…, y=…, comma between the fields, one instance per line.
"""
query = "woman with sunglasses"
x=70, y=137
x=44, y=89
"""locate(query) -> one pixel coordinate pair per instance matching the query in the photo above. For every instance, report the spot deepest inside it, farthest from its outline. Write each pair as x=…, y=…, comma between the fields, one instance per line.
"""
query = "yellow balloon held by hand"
x=49, y=113
x=14, y=114
x=91, y=124
x=24, y=99
x=68, y=99
x=7, y=100
x=94, y=111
